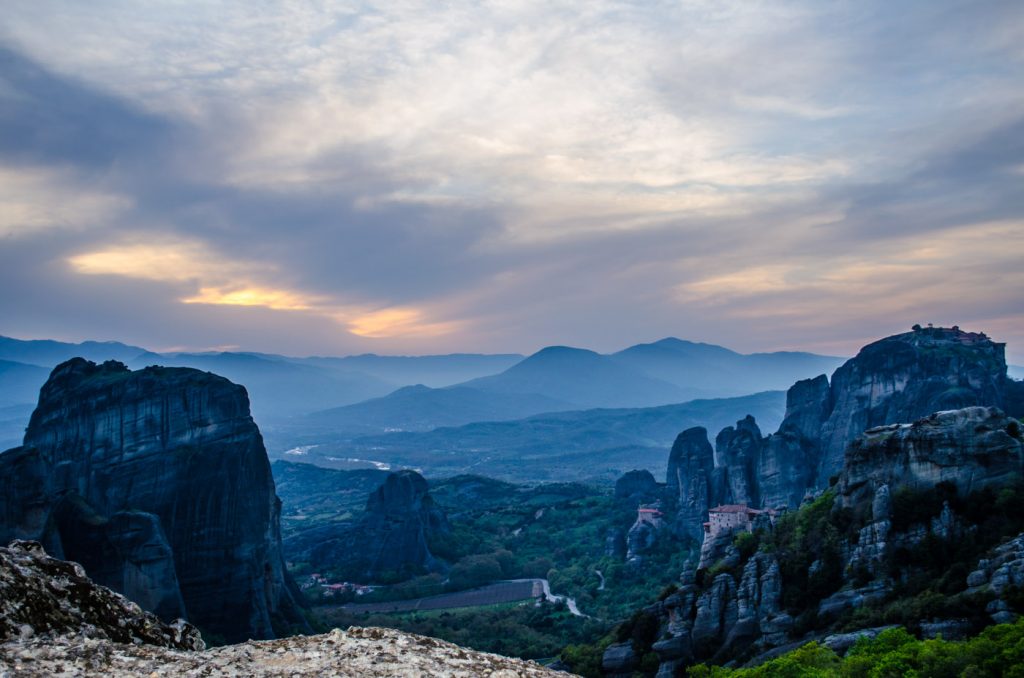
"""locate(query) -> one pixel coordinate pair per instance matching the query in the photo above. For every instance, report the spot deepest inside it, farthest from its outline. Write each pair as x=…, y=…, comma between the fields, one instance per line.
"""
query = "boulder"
x=619, y=658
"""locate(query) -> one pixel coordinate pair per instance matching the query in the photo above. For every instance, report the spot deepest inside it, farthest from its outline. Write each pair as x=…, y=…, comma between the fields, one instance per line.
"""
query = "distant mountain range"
x=561, y=378
x=279, y=386
x=449, y=390
x=597, y=444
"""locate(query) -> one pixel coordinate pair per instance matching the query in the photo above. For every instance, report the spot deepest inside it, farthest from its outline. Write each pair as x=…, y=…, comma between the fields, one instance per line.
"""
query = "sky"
x=423, y=177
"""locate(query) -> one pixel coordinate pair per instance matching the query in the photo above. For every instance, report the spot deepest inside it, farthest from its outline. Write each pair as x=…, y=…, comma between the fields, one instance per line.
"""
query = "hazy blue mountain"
x=419, y=408
x=1015, y=371
x=583, y=378
x=596, y=444
x=429, y=370
x=13, y=421
x=717, y=371
x=48, y=353
x=20, y=383
x=278, y=388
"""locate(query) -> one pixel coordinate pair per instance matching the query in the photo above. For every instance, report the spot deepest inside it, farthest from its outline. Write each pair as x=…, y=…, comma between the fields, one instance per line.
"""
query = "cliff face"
x=969, y=449
x=898, y=379
x=393, y=535
x=942, y=465
x=905, y=377
x=739, y=451
x=692, y=485
x=157, y=481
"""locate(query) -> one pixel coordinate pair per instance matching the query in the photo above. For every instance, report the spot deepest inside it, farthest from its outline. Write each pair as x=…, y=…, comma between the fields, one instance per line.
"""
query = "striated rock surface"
x=896, y=380
x=789, y=460
x=393, y=534
x=738, y=449
x=44, y=598
x=970, y=448
x=908, y=376
x=157, y=481
x=692, y=485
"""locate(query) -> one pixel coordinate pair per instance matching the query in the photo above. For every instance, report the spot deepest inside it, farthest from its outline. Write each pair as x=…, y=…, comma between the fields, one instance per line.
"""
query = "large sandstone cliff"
x=158, y=483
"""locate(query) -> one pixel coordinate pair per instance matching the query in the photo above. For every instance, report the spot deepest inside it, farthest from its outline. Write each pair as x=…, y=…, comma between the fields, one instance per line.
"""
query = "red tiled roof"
x=732, y=508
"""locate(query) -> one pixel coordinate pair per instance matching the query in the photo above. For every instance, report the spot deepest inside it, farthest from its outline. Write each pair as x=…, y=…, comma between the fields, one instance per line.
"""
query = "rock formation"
x=738, y=450
x=157, y=481
x=895, y=380
x=1002, y=574
x=969, y=449
x=789, y=460
x=636, y=487
x=393, y=535
x=693, y=486
x=56, y=622
x=735, y=608
x=905, y=377
x=45, y=598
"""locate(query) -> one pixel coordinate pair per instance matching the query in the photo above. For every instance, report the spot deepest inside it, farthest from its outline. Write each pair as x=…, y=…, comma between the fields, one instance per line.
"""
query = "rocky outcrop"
x=1001, y=573
x=896, y=380
x=738, y=450
x=637, y=486
x=693, y=487
x=392, y=536
x=355, y=653
x=906, y=377
x=619, y=659
x=731, y=606
x=704, y=623
x=44, y=598
x=54, y=621
x=969, y=448
x=157, y=481
x=789, y=459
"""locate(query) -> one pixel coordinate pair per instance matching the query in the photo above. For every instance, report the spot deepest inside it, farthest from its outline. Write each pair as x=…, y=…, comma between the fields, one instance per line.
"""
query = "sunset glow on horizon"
x=500, y=176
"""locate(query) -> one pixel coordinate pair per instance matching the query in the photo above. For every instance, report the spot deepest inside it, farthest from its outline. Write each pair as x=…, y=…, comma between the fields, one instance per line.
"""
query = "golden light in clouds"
x=221, y=281
x=173, y=261
x=279, y=300
x=227, y=282
x=392, y=322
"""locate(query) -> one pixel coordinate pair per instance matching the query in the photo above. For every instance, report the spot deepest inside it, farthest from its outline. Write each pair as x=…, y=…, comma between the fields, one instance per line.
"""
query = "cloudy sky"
x=418, y=177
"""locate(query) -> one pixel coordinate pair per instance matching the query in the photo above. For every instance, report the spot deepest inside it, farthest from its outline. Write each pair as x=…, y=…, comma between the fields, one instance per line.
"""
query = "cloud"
x=406, y=177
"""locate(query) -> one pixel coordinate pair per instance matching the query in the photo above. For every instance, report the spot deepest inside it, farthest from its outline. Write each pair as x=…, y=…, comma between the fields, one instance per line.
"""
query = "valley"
x=554, y=538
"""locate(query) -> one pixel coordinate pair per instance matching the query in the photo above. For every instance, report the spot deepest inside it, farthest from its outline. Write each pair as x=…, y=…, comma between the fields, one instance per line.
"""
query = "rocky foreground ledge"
x=54, y=622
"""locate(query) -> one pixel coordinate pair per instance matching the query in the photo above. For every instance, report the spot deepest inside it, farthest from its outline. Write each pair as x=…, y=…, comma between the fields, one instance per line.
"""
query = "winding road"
x=570, y=603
